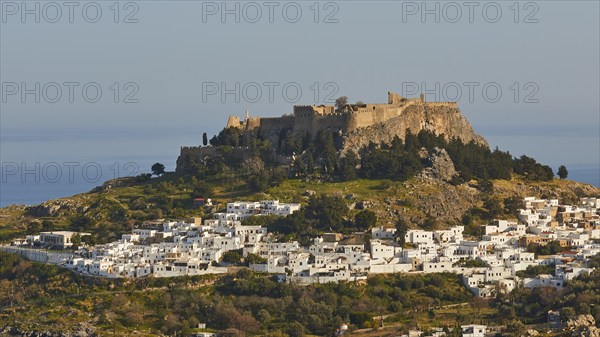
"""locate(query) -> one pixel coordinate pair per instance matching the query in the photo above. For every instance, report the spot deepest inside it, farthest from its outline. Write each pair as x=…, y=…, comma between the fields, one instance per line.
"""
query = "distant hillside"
x=422, y=202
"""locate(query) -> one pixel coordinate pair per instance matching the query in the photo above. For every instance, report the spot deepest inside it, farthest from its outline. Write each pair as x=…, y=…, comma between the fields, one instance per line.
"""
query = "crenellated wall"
x=313, y=118
x=334, y=121
x=442, y=104
x=372, y=114
x=253, y=123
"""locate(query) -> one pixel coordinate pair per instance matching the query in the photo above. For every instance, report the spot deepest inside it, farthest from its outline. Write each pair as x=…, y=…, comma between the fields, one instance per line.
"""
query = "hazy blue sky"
x=170, y=55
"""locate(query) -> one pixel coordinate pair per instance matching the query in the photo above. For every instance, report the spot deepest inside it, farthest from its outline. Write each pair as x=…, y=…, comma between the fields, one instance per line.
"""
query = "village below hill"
x=550, y=245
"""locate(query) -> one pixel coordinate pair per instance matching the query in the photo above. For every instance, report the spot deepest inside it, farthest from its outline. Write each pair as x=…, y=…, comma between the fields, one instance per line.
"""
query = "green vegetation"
x=232, y=256
x=563, y=173
x=158, y=169
x=39, y=296
x=401, y=160
x=470, y=263
x=531, y=170
x=595, y=261
x=401, y=230
x=322, y=214
x=35, y=296
x=341, y=101
x=320, y=158
x=551, y=248
x=365, y=220
x=533, y=271
x=581, y=296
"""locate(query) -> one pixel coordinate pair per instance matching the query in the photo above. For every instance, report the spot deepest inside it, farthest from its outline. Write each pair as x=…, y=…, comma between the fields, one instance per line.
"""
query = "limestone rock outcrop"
x=439, y=166
x=583, y=325
x=442, y=119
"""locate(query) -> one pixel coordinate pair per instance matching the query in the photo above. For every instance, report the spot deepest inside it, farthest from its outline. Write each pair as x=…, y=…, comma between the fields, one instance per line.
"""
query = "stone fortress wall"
x=313, y=118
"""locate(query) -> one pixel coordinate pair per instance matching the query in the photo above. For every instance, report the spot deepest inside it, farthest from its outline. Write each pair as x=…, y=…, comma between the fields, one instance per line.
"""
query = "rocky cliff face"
x=445, y=120
x=582, y=325
x=439, y=166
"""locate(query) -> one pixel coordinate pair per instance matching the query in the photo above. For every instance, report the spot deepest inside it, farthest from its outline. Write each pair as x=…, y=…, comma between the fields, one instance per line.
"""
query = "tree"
x=506, y=313
x=47, y=225
x=325, y=152
x=232, y=256
x=341, y=101
x=257, y=175
x=532, y=170
x=567, y=313
x=516, y=328
x=562, y=172
x=89, y=240
x=512, y=205
x=82, y=222
x=253, y=165
x=347, y=170
x=401, y=230
x=365, y=220
x=595, y=261
x=201, y=190
x=254, y=259
x=204, y=139
x=486, y=186
x=158, y=169
x=76, y=240
x=34, y=227
x=493, y=207
x=228, y=137
x=328, y=211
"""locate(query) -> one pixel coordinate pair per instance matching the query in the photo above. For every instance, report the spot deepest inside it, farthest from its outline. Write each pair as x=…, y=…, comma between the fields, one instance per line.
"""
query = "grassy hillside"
x=119, y=204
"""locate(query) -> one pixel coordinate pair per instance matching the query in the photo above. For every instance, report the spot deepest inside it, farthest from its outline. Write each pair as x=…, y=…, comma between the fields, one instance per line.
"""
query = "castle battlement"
x=441, y=104
x=312, y=106
x=313, y=118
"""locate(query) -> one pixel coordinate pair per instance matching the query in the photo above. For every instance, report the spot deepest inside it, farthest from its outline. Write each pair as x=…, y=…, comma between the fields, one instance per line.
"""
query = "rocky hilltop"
x=440, y=119
x=357, y=124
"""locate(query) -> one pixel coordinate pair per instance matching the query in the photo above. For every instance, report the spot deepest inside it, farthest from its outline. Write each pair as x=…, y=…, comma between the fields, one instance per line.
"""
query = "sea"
x=36, y=167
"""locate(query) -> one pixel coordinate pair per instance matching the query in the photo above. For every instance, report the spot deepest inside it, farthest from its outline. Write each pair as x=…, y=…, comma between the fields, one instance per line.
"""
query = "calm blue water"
x=36, y=167
x=58, y=179
x=586, y=174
